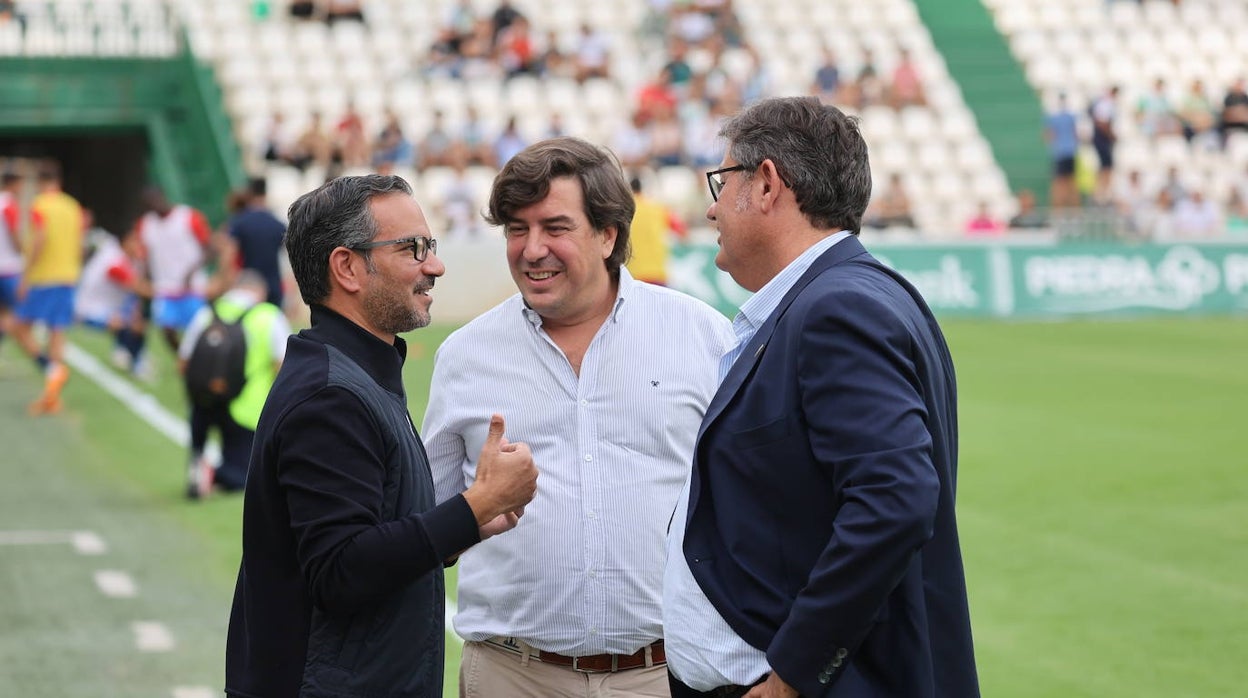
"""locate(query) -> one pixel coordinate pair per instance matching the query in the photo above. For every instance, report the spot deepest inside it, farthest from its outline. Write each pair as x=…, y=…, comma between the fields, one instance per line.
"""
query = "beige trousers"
x=486, y=671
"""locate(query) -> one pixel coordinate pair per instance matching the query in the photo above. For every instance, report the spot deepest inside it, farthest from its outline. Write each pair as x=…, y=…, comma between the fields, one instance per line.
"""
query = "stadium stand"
x=1172, y=61
x=280, y=74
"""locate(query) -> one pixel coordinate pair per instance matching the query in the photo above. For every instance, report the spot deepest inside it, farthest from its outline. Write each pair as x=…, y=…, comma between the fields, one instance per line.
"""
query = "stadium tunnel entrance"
x=106, y=171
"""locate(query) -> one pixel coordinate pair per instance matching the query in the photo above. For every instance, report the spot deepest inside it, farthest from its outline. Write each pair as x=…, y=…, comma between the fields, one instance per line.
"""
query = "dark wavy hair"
x=817, y=150
x=525, y=180
x=336, y=214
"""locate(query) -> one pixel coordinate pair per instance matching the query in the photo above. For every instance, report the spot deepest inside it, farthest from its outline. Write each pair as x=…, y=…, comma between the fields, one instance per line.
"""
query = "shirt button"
x=593, y=515
x=585, y=402
x=588, y=457
x=593, y=630
x=593, y=574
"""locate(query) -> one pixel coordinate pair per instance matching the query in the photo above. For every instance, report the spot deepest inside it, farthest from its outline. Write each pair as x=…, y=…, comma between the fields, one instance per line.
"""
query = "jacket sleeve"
x=332, y=472
x=861, y=401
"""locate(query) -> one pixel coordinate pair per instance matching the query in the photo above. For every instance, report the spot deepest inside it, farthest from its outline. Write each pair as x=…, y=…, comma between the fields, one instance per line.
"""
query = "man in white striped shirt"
x=607, y=379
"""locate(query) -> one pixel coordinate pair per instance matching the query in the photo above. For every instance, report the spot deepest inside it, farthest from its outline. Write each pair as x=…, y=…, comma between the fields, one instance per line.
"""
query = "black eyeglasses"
x=421, y=245
x=715, y=180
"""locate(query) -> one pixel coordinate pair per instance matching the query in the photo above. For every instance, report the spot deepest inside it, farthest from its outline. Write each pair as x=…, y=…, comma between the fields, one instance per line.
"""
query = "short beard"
x=391, y=314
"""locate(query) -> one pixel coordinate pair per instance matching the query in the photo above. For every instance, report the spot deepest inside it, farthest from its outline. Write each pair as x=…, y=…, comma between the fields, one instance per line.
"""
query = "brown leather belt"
x=648, y=656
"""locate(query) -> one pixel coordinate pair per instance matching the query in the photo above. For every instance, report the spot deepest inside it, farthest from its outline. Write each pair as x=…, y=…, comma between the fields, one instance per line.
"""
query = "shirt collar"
x=755, y=310
x=383, y=362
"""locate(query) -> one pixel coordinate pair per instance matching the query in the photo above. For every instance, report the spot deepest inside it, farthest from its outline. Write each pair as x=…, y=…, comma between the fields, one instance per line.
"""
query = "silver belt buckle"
x=615, y=665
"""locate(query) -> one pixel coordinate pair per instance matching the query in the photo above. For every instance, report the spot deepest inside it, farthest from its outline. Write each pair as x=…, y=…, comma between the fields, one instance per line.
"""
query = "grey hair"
x=336, y=214
x=818, y=152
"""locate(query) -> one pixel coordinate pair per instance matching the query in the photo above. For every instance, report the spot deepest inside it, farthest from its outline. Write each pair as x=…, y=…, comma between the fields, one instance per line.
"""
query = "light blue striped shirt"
x=703, y=651
x=582, y=573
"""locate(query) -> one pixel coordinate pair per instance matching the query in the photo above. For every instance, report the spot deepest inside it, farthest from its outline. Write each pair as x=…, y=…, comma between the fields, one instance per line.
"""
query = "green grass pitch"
x=1103, y=504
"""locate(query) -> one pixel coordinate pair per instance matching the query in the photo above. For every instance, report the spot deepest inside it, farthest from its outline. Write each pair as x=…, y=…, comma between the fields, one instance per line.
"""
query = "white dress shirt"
x=582, y=573
x=703, y=651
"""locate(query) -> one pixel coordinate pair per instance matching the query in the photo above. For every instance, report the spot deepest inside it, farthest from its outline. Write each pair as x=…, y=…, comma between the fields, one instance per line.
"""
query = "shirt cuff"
x=452, y=527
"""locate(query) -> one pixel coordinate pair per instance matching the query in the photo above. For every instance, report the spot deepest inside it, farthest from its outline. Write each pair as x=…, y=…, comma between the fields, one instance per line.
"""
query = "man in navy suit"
x=816, y=553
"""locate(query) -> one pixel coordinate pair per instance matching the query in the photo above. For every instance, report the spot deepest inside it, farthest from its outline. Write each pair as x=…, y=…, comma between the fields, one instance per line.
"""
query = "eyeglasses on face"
x=421, y=246
x=715, y=179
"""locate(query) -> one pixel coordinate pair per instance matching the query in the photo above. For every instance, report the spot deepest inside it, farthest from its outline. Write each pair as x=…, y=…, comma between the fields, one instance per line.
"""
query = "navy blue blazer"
x=821, y=521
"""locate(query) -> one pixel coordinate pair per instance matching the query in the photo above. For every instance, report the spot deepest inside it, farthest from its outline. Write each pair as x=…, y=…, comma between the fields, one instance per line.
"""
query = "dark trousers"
x=235, y=444
x=680, y=690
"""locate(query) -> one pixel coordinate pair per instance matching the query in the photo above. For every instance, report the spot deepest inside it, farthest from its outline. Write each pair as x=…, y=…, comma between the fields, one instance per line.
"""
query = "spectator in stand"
x=343, y=10
x=1154, y=113
x=509, y=142
x=593, y=51
x=826, y=84
x=350, y=139
x=554, y=127
x=516, y=54
x=656, y=94
x=175, y=240
x=1104, y=111
x=690, y=24
x=1062, y=135
x=552, y=61
x=458, y=26
x=1157, y=221
x=632, y=142
x=1234, y=110
x=392, y=149
x=437, y=148
x=1173, y=185
x=1196, y=115
x=984, y=224
x=459, y=206
x=906, y=89
x=502, y=18
x=53, y=264
x=867, y=88
x=313, y=146
x=278, y=143
x=474, y=140
x=302, y=9
x=1132, y=200
x=653, y=227
x=1028, y=216
x=1197, y=217
x=666, y=139
x=1237, y=215
x=257, y=236
x=677, y=67
x=892, y=208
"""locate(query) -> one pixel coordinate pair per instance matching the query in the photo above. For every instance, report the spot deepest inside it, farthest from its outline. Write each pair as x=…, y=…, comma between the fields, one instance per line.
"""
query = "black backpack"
x=217, y=369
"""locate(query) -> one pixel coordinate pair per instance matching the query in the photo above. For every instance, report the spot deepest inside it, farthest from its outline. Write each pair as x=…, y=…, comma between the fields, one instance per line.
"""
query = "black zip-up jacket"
x=340, y=592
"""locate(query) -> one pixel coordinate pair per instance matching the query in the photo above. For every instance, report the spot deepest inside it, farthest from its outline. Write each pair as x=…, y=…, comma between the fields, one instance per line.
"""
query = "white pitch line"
x=35, y=537
x=150, y=636
x=151, y=411
x=194, y=692
x=88, y=543
x=85, y=542
x=116, y=584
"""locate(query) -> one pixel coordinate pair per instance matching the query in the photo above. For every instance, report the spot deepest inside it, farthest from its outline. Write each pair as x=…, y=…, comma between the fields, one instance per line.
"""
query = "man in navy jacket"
x=817, y=552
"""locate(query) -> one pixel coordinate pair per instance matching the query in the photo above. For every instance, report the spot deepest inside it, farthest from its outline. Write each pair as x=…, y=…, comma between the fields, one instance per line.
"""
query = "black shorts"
x=1104, y=152
x=1064, y=167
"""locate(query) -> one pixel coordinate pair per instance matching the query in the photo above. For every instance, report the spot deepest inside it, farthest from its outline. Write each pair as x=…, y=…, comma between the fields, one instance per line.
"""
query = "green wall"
x=173, y=103
x=994, y=86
